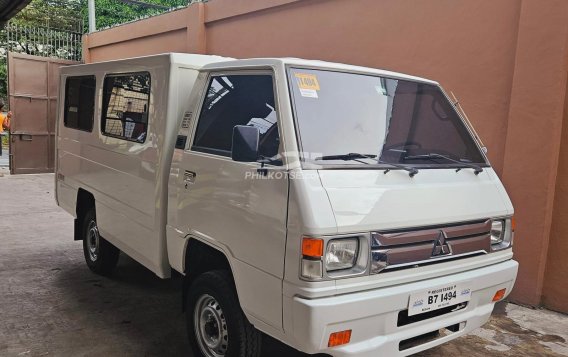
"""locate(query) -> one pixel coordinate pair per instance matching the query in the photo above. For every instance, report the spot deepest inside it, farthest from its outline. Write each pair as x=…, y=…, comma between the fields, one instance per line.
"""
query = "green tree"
x=59, y=14
x=3, y=79
x=34, y=23
x=41, y=16
x=113, y=12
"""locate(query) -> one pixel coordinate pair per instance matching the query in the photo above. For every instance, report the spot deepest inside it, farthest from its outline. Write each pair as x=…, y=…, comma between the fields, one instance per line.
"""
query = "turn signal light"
x=312, y=247
x=499, y=295
x=513, y=224
x=339, y=338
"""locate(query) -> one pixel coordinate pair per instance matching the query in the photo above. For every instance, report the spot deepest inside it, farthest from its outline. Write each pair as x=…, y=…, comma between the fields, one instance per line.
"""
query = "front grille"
x=395, y=250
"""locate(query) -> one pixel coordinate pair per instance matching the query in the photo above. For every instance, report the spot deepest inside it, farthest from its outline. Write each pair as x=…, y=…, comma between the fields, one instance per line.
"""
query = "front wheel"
x=100, y=255
x=216, y=324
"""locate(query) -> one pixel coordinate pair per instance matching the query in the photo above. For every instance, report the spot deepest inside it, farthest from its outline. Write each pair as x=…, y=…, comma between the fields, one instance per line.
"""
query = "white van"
x=339, y=209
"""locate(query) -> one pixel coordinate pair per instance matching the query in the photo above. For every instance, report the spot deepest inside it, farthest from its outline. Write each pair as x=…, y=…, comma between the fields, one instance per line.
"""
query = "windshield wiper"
x=411, y=170
x=476, y=168
x=353, y=156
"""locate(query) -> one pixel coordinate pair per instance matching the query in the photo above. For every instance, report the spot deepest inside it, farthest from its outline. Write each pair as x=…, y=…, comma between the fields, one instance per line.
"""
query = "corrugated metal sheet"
x=9, y=8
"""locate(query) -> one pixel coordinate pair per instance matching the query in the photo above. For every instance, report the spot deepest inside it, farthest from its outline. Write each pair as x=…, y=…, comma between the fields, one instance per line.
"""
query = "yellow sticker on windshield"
x=307, y=81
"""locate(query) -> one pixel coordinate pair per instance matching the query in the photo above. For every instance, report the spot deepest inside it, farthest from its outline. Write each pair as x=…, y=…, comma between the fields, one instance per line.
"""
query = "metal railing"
x=44, y=41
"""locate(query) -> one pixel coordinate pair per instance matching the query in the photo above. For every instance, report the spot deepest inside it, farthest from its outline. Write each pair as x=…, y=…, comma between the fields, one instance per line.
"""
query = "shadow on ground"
x=132, y=313
x=144, y=311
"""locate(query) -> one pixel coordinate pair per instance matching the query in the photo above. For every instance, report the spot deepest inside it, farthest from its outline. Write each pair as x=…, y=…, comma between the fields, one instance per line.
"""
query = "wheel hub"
x=93, y=238
x=210, y=327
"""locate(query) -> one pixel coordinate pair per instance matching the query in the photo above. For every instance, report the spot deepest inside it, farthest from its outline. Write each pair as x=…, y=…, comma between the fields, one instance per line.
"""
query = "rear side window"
x=79, y=102
x=237, y=100
x=126, y=98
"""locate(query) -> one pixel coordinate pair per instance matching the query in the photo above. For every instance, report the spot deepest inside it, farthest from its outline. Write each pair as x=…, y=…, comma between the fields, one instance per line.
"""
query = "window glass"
x=389, y=120
x=79, y=102
x=126, y=99
x=238, y=100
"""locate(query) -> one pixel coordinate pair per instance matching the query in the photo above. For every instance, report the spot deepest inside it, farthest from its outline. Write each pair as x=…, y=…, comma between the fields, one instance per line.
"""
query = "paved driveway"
x=4, y=157
x=52, y=305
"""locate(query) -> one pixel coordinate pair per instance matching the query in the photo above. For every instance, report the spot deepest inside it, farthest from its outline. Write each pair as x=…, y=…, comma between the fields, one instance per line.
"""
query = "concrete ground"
x=4, y=160
x=52, y=305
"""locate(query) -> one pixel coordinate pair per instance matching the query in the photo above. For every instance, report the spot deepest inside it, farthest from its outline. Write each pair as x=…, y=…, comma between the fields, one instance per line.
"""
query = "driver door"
x=230, y=204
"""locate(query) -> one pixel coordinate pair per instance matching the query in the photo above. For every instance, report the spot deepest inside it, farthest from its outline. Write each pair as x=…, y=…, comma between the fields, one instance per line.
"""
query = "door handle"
x=189, y=178
x=26, y=137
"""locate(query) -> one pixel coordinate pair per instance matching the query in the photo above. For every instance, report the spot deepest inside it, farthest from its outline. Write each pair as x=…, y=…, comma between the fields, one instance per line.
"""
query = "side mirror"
x=245, y=143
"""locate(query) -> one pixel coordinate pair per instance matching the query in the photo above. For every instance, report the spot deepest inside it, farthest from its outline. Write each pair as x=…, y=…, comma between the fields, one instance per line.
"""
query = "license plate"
x=438, y=298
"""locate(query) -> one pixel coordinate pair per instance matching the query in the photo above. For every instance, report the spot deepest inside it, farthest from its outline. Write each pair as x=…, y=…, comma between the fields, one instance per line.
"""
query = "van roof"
x=218, y=62
x=187, y=60
x=315, y=64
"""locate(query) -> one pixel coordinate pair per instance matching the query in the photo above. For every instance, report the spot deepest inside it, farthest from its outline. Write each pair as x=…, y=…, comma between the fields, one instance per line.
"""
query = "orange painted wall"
x=434, y=39
x=173, y=41
x=154, y=35
x=555, y=291
x=505, y=60
x=533, y=147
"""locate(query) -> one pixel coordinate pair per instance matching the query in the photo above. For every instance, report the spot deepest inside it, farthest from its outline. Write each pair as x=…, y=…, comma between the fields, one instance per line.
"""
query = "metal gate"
x=32, y=89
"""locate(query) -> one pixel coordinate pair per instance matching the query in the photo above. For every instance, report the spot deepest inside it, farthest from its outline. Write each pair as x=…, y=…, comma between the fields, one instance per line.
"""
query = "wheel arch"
x=85, y=201
x=201, y=257
x=204, y=256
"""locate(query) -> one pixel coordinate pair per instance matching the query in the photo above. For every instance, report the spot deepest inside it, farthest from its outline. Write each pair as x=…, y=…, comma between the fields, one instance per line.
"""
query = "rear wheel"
x=100, y=255
x=216, y=324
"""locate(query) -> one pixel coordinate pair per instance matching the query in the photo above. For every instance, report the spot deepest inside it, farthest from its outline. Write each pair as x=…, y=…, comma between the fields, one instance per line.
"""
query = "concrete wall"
x=505, y=60
x=555, y=294
x=530, y=173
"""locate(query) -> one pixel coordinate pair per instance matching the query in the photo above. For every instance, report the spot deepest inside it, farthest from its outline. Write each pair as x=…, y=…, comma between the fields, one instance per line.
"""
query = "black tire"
x=243, y=340
x=101, y=258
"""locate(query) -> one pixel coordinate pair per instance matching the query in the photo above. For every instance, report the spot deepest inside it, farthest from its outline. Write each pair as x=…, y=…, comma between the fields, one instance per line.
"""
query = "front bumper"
x=372, y=315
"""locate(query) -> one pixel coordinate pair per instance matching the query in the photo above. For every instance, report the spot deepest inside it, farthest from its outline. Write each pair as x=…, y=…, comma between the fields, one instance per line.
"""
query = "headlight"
x=497, y=232
x=501, y=234
x=334, y=257
x=341, y=254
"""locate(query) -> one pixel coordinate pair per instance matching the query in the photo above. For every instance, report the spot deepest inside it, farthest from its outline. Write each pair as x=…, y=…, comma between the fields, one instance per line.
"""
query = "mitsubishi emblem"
x=440, y=246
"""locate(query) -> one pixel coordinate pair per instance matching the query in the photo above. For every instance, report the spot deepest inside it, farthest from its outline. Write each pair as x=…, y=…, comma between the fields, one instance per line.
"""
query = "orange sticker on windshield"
x=307, y=81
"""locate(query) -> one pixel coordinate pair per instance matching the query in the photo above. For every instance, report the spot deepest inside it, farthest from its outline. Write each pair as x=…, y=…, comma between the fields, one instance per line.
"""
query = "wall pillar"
x=555, y=294
x=533, y=136
x=86, y=49
x=196, y=35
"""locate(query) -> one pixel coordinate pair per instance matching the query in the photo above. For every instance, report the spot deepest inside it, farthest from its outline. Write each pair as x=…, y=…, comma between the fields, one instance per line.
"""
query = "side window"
x=126, y=98
x=79, y=102
x=237, y=100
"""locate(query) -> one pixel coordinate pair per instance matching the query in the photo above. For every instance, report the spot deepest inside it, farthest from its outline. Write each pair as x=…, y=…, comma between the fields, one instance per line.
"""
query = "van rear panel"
x=121, y=156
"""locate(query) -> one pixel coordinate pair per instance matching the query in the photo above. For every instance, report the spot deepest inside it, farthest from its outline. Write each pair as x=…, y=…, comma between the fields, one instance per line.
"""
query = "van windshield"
x=361, y=120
